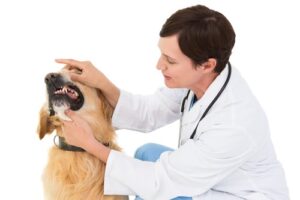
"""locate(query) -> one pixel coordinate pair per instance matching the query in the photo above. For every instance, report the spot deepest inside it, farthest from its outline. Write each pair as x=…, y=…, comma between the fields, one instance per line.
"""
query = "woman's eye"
x=171, y=61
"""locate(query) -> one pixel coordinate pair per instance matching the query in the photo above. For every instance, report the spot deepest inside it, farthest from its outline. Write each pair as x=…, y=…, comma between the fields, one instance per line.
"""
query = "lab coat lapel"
x=193, y=115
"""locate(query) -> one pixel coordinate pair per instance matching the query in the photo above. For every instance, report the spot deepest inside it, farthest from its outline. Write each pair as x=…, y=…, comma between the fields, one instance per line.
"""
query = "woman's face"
x=178, y=69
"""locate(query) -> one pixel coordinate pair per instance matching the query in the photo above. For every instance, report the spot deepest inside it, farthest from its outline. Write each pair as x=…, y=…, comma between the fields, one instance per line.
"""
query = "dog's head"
x=62, y=94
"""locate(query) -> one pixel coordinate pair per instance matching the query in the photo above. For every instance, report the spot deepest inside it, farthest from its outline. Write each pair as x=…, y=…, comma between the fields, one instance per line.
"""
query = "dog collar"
x=63, y=145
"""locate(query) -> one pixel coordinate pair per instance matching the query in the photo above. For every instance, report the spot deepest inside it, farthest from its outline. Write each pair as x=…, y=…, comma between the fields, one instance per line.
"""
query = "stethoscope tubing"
x=211, y=103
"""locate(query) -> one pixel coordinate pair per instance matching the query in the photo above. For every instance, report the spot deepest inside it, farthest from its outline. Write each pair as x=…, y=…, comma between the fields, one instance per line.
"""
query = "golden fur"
x=78, y=175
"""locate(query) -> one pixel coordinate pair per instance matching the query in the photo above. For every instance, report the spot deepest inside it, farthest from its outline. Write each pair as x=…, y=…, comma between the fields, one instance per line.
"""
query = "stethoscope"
x=211, y=103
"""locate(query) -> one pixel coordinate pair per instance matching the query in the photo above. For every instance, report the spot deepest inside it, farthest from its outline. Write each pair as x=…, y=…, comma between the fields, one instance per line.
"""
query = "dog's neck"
x=59, y=140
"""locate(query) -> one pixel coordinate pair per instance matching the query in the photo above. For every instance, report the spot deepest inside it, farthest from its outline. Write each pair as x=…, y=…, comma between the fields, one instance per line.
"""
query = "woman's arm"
x=134, y=112
x=145, y=113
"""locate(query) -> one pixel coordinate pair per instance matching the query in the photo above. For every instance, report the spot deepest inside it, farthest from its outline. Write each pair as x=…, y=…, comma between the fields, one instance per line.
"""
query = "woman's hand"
x=78, y=133
x=89, y=75
x=92, y=77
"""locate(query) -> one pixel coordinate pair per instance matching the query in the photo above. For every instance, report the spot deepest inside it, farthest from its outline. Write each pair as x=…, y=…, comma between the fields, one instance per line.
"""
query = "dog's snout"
x=51, y=77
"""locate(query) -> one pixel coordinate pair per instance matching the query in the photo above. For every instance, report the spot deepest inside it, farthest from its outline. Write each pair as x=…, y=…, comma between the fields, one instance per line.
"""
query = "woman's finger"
x=72, y=62
x=76, y=77
x=70, y=114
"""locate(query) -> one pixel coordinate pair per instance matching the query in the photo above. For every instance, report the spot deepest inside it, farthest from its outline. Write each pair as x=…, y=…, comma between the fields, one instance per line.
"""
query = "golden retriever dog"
x=72, y=173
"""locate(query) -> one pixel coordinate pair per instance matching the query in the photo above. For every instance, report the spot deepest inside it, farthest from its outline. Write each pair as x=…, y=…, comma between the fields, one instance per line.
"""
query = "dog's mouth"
x=62, y=93
x=67, y=90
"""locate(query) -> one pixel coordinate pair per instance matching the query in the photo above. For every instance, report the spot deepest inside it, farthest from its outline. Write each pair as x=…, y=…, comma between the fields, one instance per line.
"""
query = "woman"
x=225, y=150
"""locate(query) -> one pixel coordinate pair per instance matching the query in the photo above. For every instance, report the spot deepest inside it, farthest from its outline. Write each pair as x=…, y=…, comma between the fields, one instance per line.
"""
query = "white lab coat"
x=231, y=156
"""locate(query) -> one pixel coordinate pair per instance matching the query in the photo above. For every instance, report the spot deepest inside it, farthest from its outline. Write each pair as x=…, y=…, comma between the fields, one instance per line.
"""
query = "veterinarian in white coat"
x=231, y=156
x=225, y=151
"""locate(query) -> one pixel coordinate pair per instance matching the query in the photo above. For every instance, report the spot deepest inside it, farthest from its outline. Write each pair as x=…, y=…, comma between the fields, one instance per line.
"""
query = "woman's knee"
x=150, y=151
x=142, y=152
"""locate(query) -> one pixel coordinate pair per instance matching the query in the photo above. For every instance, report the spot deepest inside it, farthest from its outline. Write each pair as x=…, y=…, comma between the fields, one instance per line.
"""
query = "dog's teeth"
x=59, y=91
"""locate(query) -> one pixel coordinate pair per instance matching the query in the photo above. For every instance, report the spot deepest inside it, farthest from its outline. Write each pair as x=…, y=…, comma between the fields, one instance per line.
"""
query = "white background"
x=120, y=38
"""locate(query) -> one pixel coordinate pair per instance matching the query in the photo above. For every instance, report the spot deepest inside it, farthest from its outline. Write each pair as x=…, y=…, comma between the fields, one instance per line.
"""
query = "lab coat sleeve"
x=149, y=112
x=191, y=170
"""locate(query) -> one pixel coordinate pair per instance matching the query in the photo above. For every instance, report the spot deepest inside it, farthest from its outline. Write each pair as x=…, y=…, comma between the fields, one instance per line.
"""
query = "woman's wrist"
x=98, y=150
x=111, y=92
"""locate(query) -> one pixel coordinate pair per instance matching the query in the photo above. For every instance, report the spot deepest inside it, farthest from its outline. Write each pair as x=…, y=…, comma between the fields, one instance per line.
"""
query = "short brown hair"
x=202, y=34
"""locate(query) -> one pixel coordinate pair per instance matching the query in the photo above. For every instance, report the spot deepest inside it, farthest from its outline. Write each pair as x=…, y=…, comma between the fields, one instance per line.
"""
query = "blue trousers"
x=151, y=152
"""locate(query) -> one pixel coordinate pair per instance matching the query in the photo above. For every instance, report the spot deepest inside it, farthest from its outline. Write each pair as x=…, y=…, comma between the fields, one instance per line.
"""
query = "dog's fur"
x=77, y=175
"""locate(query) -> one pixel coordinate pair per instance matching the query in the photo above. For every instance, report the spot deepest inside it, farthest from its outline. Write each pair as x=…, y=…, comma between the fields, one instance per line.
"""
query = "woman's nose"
x=161, y=65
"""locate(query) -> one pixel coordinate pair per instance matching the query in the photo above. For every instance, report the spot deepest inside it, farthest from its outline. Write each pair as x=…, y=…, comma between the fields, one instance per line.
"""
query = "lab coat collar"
x=213, y=88
x=198, y=108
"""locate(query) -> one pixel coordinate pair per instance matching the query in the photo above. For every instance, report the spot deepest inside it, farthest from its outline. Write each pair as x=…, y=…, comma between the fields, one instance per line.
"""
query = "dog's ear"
x=45, y=125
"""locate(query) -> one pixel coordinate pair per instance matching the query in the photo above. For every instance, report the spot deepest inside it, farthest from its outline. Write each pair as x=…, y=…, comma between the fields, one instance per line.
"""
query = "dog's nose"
x=51, y=77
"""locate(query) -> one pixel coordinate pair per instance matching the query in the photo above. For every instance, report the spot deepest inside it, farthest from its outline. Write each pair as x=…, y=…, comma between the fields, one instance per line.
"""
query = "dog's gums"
x=68, y=91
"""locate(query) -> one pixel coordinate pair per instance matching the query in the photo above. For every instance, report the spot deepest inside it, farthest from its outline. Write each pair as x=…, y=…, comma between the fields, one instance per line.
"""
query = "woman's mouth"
x=167, y=77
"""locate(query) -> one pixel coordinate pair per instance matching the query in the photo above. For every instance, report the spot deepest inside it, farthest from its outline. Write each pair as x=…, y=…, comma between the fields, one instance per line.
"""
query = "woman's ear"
x=45, y=125
x=209, y=65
